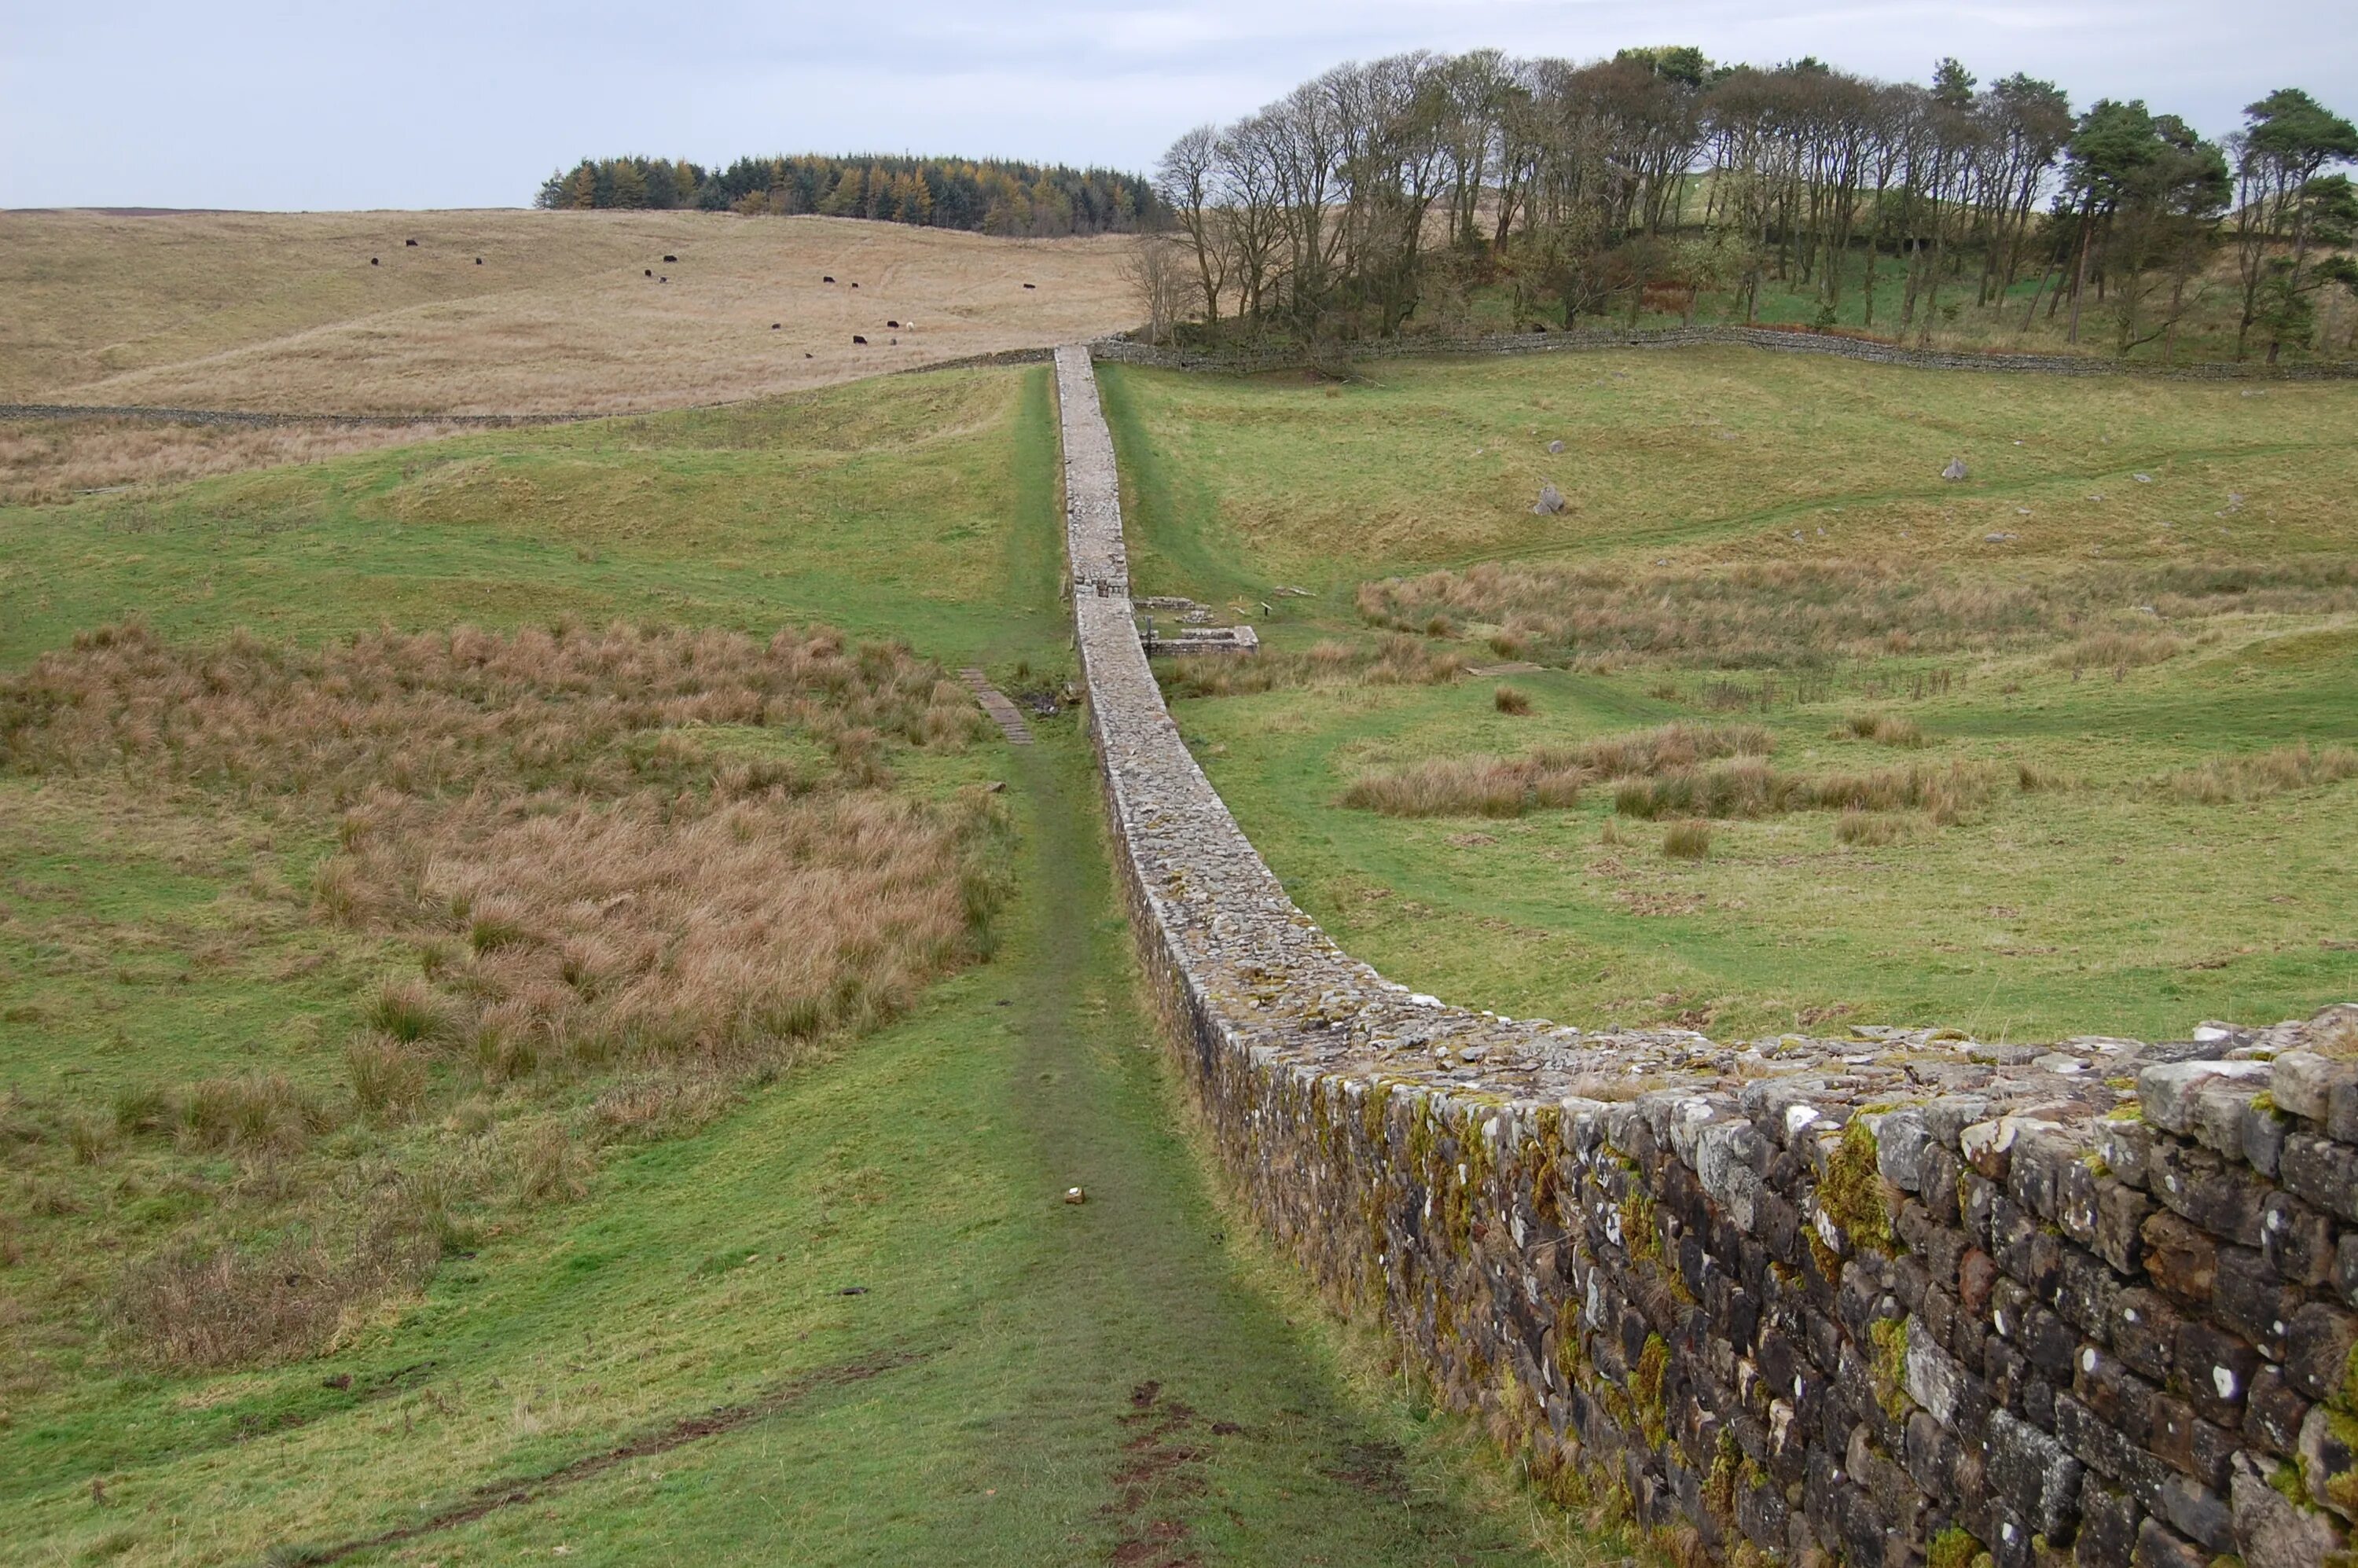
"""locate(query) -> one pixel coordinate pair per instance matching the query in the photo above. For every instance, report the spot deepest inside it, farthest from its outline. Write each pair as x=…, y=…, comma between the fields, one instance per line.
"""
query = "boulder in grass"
x=1955, y=470
x=1550, y=501
x=1554, y=446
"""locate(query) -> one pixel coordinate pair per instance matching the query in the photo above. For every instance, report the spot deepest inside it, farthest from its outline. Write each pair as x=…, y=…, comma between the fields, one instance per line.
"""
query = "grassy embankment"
x=2063, y=668
x=828, y=1306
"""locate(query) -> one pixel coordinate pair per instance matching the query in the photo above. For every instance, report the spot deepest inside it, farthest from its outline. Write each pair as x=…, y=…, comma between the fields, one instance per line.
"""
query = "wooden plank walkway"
x=1002, y=712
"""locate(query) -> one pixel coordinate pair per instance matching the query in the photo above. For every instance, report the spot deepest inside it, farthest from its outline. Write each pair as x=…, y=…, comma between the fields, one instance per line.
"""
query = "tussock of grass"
x=1753, y=615
x=1399, y=661
x=224, y=1304
x=1870, y=829
x=1549, y=777
x=2226, y=780
x=1511, y=701
x=616, y=918
x=1687, y=841
x=2118, y=650
x=1748, y=787
x=1883, y=728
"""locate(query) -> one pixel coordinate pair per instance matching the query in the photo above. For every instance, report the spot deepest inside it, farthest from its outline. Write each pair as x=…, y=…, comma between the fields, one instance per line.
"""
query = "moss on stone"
x=1719, y=1485
x=1646, y=1391
x=1890, y=1338
x=1639, y=1239
x=1850, y=1192
x=1955, y=1547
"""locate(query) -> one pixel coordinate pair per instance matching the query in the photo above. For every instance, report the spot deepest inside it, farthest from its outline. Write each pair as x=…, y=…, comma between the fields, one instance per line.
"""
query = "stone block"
x=2302, y=1083
x=2271, y=1530
x=2317, y=1350
x=2101, y=1446
x=2167, y=1090
x=2265, y=1132
x=2158, y=1546
x=2108, y=1522
x=2215, y=1370
x=2182, y=1261
x=2198, y=1513
x=2296, y=1240
x=1901, y=1139
x=2253, y=1300
x=2126, y=1146
x=2200, y=1185
x=2273, y=1413
x=2323, y=1172
x=2144, y=1332
x=2121, y=1212
x=2035, y=1474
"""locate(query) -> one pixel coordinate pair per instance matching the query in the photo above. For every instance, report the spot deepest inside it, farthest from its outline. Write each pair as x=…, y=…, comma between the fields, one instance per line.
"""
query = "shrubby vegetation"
x=1390, y=193
x=991, y=196
x=610, y=876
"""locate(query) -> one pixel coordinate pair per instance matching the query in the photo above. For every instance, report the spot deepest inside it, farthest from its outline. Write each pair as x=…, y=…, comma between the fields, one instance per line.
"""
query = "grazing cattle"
x=649, y=273
x=860, y=340
x=411, y=243
x=665, y=279
x=1031, y=285
x=826, y=280
x=892, y=323
x=371, y=261
x=855, y=285
x=479, y=261
x=807, y=354
x=671, y=258
x=775, y=325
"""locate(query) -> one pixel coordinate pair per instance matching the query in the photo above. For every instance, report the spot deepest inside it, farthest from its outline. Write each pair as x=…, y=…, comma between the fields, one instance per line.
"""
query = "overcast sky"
x=271, y=103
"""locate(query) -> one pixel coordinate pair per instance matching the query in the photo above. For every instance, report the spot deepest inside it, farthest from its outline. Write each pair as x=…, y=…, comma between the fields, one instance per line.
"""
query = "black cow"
x=826, y=280
x=671, y=258
x=892, y=323
x=775, y=325
x=371, y=261
x=1031, y=285
x=479, y=261
x=649, y=273
x=860, y=340
x=411, y=243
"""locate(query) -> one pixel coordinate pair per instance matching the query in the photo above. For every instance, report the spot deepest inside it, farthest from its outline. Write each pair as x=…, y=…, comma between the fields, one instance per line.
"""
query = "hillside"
x=285, y=312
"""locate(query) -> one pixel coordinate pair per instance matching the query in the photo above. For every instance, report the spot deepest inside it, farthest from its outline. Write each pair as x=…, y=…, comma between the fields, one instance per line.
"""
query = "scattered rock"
x=1955, y=470
x=2142, y=478
x=1073, y=1194
x=1550, y=501
x=1555, y=446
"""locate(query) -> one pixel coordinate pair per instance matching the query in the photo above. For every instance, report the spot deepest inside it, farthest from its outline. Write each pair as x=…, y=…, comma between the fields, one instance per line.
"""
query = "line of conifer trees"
x=991, y=196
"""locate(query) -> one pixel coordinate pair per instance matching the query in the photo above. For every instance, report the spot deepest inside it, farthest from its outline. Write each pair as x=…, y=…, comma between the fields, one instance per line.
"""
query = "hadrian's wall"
x=1897, y=1298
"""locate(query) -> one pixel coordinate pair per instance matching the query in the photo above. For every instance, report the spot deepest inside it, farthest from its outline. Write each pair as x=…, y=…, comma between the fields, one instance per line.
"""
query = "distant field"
x=283, y=312
x=2095, y=662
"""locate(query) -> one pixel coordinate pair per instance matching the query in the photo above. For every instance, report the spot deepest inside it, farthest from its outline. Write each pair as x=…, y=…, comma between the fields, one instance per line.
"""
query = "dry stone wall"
x=1902, y=1297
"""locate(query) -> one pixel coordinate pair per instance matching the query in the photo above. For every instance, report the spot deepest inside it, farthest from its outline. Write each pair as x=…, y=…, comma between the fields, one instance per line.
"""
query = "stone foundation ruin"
x=1897, y=1298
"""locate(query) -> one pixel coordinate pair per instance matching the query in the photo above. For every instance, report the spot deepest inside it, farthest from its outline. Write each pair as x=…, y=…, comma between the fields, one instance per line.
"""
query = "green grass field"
x=2138, y=579
x=849, y=1320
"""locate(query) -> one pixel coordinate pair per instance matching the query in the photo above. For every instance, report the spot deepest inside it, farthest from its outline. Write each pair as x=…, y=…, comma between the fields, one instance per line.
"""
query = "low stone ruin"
x=1900, y=1297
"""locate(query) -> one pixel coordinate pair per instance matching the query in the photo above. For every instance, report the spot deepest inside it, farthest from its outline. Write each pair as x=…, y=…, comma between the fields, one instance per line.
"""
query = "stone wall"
x=1902, y=1297
x=1792, y=340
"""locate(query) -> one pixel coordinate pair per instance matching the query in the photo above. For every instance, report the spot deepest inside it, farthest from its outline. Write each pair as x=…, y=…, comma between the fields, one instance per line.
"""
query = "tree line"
x=1379, y=193
x=991, y=196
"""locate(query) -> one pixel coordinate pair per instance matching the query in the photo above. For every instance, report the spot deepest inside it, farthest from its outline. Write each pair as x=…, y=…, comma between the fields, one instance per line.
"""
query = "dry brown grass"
x=637, y=868
x=2227, y=780
x=44, y=460
x=1549, y=777
x=1883, y=728
x=1687, y=841
x=217, y=1305
x=283, y=312
x=1751, y=787
x=1400, y=660
x=1788, y=615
